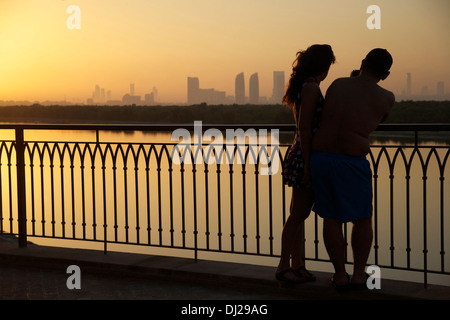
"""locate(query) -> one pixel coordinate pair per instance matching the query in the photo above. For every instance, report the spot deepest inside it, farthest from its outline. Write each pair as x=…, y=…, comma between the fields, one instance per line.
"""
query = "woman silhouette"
x=303, y=95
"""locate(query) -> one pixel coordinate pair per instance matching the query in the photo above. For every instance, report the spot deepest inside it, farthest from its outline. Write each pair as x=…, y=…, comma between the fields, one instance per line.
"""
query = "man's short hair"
x=378, y=62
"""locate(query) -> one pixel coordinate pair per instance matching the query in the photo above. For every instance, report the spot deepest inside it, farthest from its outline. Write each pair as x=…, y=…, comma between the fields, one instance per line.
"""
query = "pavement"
x=41, y=273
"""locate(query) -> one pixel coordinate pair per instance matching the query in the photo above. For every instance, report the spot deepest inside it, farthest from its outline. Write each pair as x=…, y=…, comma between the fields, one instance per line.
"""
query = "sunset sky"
x=162, y=42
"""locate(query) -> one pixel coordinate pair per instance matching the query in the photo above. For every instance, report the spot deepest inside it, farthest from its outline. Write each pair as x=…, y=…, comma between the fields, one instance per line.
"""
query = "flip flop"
x=281, y=276
x=309, y=276
x=360, y=286
x=342, y=287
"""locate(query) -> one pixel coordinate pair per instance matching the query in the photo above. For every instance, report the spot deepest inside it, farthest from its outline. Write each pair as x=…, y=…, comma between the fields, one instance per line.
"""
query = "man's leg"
x=362, y=236
x=335, y=244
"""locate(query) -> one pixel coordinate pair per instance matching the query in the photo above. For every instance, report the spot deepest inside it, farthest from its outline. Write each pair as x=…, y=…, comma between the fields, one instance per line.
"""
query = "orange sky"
x=162, y=42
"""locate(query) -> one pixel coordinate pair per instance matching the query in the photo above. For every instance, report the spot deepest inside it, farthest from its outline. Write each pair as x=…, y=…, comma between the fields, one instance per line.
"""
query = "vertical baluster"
x=258, y=236
x=425, y=245
x=33, y=210
x=105, y=211
x=147, y=183
x=219, y=217
x=125, y=192
x=231, y=207
x=114, y=169
x=183, y=212
x=442, y=252
x=270, y=215
x=52, y=190
x=244, y=207
x=375, y=210
x=206, y=206
x=61, y=167
x=316, y=236
x=345, y=234
x=391, y=209
x=171, y=200
x=94, y=215
x=72, y=191
x=194, y=185
x=408, y=219
x=41, y=158
x=136, y=183
x=160, y=229
x=83, y=193
x=21, y=195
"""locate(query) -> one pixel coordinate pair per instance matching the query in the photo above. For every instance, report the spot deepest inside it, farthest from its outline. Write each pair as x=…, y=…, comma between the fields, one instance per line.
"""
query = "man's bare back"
x=354, y=107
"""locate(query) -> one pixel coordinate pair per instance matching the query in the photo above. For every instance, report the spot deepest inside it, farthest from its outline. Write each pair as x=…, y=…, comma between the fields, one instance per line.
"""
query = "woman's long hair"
x=309, y=63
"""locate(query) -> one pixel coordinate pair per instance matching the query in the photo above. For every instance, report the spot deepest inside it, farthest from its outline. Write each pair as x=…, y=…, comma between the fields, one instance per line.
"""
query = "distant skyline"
x=435, y=91
x=243, y=94
x=161, y=43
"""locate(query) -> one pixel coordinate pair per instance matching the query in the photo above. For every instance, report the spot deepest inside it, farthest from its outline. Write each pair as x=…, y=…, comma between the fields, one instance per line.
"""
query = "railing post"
x=21, y=197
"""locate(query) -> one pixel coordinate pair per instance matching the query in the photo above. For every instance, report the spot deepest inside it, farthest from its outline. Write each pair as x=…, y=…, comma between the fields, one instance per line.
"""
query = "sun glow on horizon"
x=161, y=43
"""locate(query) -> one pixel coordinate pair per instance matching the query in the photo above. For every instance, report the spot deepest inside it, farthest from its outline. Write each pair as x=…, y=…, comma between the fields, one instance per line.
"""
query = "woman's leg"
x=304, y=201
x=293, y=236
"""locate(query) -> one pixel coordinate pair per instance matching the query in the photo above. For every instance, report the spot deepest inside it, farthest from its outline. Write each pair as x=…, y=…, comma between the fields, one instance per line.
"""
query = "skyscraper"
x=254, y=89
x=193, y=88
x=132, y=89
x=239, y=89
x=440, y=88
x=278, y=86
x=97, y=92
x=155, y=94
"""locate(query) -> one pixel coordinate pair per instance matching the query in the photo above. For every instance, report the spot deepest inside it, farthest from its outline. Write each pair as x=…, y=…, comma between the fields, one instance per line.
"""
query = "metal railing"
x=84, y=190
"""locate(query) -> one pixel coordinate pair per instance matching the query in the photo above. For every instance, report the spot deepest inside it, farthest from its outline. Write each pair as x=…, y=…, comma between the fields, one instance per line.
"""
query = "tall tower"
x=193, y=86
x=440, y=88
x=155, y=93
x=278, y=86
x=239, y=89
x=254, y=89
x=97, y=92
x=131, y=89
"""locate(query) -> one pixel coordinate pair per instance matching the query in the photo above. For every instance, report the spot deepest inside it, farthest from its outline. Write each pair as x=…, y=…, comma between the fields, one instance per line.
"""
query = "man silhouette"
x=341, y=175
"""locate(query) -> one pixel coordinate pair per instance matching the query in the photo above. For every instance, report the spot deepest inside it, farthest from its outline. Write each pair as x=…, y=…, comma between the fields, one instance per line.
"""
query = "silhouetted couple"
x=326, y=165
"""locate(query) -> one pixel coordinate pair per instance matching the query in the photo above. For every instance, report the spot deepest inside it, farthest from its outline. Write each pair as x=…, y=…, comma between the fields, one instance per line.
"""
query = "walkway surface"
x=40, y=273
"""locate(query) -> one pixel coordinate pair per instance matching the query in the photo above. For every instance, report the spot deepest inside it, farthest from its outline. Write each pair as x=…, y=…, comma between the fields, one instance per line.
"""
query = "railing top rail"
x=416, y=127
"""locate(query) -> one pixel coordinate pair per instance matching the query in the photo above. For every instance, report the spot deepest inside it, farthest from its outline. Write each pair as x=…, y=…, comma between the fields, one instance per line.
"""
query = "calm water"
x=252, y=210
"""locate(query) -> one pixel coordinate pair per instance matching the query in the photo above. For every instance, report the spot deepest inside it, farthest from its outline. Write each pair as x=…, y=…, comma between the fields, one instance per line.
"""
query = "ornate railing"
x=136, y=193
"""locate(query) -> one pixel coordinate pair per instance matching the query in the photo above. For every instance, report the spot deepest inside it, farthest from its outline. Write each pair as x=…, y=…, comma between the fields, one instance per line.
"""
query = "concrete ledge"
x=234, y=275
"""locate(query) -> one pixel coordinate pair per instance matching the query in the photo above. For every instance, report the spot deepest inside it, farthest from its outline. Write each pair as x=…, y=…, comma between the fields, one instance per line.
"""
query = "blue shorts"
x=342, y=186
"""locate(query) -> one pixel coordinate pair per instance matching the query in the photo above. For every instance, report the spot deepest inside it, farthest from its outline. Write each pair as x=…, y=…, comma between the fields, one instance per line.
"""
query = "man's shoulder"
x=387, y=94
x=340, y=81
x=337, y=84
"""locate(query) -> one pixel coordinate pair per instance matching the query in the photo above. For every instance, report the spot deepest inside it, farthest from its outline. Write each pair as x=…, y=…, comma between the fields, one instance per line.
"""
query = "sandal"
x=360, y=286
x=342, y=287
x=301, y=272
x=281, y=276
